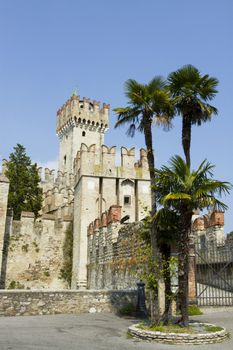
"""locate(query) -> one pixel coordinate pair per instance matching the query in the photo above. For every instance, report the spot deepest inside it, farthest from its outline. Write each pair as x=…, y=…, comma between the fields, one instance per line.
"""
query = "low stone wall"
x=180, y=338
x=22, y=302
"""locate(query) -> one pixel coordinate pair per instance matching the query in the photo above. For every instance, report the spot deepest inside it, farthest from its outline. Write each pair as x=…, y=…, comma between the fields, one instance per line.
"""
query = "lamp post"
x=141, y=310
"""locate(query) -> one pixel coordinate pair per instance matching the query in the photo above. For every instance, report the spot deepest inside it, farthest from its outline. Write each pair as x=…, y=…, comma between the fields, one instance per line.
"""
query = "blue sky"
x=48, y=47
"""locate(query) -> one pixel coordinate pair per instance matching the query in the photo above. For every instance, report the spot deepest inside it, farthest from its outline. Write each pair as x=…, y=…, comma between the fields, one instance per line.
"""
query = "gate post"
x=192, y=286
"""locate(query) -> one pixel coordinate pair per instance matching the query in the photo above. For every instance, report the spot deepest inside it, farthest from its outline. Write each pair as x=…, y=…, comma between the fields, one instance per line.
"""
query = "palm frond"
x=163, y=121
x=176, y=196
x=186, y=76
x=208, y=87
x=191, y=92
x=156, y=84
x=146, y=103
x=176, y=184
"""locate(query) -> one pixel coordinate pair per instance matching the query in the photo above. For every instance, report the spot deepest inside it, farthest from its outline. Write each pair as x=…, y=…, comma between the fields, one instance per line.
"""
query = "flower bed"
x=197, y=333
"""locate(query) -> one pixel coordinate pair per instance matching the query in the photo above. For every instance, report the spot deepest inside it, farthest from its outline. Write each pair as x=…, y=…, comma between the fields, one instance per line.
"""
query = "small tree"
x=24, y=192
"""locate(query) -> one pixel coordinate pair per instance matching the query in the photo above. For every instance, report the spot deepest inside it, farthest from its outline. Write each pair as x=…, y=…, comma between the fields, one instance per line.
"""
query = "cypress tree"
x=24, y=192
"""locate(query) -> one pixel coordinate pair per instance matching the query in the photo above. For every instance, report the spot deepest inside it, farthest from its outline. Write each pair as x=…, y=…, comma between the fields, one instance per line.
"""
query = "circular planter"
x=180, y=338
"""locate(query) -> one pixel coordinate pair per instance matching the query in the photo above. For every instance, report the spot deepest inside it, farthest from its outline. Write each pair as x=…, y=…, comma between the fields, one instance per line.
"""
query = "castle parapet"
x=58, y=191
x=210, y=227
x=82, y=113
x=216, y=219
x=103, y=232
x=198, y=224
x=88, y=161
x=50, y=178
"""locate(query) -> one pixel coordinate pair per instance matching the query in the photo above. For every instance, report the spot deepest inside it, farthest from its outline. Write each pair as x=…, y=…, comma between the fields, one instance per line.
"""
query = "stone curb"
x=180, y=338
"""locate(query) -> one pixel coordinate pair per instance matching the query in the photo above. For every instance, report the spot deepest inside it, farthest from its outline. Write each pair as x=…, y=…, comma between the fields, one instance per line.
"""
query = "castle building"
x=96, y=197
x=98, y=182
x=87, y=184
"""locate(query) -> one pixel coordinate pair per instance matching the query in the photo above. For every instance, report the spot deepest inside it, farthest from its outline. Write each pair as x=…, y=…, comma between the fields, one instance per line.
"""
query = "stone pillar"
x=4, y=189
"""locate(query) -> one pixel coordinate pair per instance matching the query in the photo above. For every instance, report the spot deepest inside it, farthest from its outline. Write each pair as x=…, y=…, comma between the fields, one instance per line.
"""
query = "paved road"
x=89, y=332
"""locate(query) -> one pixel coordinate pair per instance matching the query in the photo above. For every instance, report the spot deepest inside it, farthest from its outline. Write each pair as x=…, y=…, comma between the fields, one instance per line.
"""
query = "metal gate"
x=214, y=273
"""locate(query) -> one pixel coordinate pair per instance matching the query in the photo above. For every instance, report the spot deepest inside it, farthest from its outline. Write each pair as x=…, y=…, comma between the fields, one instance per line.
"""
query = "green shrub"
x=193, y=310
x=127, y=310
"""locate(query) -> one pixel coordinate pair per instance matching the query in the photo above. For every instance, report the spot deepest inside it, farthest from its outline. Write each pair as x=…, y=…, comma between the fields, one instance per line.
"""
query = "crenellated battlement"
x=210, y=227
x=112, y=248
x=112, y=215
x=50, y=178
x=58, y=191
x=82, y=113
x=90, y=161
x=216, y=218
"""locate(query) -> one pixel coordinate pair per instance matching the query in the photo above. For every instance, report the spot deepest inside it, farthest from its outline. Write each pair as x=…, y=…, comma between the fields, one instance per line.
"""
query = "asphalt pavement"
x=92, y=332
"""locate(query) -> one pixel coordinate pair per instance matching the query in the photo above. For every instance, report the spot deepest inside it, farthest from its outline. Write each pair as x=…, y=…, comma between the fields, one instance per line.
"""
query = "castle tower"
x=79, y=121
x=98, y=185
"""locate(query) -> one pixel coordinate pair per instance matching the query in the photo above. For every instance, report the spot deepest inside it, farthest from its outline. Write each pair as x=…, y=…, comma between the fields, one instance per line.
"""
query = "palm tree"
x=147, y=104
x=182, y=190
x=192, y=92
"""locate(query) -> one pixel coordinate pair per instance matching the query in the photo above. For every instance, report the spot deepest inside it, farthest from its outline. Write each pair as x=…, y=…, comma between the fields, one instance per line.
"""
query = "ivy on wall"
x=66, y=270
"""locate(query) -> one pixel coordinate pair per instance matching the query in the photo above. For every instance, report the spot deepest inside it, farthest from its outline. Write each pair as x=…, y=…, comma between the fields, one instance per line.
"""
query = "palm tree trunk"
x=155, y=309
x=185, y=226
x=186, y=137
x=166, y=254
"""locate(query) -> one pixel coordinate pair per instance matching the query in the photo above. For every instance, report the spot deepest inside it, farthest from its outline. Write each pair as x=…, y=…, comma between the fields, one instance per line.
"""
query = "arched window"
x=83, y=133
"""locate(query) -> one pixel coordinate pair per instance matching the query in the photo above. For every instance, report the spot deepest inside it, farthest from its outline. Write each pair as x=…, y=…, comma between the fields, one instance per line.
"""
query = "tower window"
x=64, y=160
x=127, y=200
x=83, y=133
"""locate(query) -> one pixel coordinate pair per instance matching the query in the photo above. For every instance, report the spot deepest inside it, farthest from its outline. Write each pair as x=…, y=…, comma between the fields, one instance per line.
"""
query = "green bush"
x=127, y=310
x=193, y=310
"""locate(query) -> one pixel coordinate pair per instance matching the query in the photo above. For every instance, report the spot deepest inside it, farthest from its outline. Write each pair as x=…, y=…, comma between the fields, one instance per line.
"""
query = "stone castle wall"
x=112, y=249
x=35, y=252
x=111, y=252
